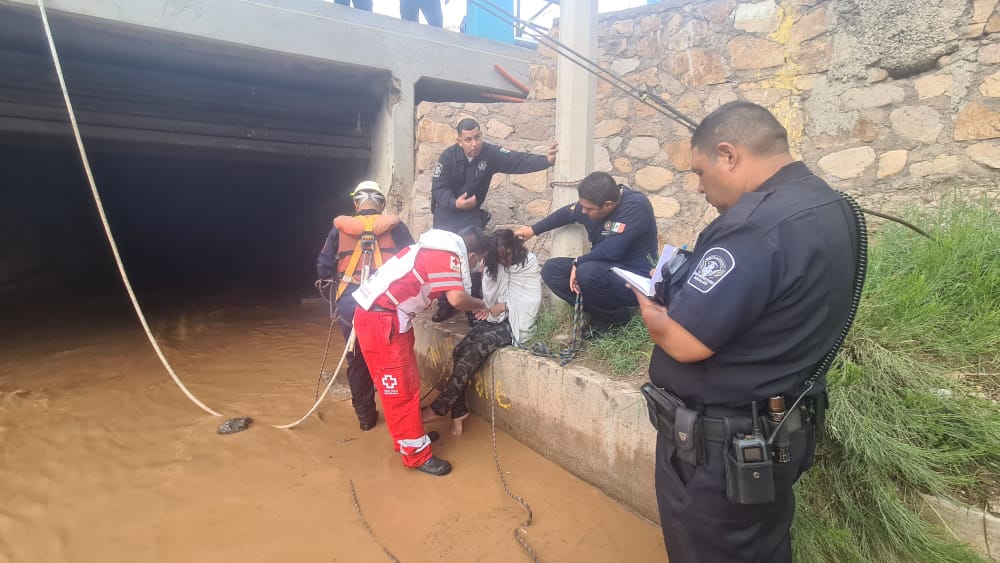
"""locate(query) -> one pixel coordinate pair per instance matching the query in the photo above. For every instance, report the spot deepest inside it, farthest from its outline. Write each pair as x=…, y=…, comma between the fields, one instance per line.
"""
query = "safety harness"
x=373, y=240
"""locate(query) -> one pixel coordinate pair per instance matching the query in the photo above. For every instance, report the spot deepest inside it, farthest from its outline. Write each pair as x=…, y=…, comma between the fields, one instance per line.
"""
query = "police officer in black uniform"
x=462, y=179
x=742, y=323
x=622, y=232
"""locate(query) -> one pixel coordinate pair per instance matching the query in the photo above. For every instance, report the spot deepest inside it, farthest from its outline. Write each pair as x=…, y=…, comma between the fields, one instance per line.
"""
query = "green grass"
x=910, y=410
x=906, y=417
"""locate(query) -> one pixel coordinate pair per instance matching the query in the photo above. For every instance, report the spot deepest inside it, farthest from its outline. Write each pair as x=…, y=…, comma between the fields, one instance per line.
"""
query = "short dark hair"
x=599, y=187
x=504, y=238
x=467, y=124
x=741, y=123
x=475, y=240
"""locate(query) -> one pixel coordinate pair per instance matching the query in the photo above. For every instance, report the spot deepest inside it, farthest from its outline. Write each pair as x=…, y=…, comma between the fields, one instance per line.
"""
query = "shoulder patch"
x=714, y=265
x=438, y=169
x=456, y=264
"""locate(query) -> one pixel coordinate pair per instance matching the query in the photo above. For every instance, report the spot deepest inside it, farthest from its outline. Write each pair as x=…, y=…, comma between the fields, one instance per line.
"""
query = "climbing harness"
x=366, y=252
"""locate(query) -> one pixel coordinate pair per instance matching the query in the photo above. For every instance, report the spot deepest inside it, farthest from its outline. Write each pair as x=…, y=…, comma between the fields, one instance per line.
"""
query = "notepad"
x=638, y=281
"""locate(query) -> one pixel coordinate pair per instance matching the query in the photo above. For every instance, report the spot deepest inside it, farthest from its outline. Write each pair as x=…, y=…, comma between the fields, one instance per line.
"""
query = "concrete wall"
x=895, y=103
x=594, y=427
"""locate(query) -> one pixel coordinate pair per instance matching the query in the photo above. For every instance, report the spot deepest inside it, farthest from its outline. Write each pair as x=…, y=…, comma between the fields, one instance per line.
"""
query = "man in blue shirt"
x=622, y=232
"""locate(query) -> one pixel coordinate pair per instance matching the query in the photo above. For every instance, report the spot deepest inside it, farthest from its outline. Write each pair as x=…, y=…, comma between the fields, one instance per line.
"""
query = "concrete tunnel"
x=220, y=163
x=219, y=168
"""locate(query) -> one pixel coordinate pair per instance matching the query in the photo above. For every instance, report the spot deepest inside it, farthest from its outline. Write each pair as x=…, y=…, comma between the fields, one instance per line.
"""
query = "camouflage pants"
x=468, y=355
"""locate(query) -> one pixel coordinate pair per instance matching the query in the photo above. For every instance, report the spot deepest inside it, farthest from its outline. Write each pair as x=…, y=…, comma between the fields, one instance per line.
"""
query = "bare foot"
x=456, y=424
x=427, y=414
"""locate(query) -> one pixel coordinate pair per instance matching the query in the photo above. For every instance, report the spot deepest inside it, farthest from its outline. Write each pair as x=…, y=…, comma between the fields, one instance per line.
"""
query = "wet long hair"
x=504, y=239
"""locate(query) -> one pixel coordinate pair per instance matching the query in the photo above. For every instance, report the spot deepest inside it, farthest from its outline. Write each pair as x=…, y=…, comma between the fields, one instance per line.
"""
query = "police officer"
x=748, y=317
x=462, y=179
x=342, y=261
x=622, y=232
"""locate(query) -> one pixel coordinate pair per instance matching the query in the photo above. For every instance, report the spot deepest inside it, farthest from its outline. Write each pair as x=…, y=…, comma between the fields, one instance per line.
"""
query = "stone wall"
x=894, y=102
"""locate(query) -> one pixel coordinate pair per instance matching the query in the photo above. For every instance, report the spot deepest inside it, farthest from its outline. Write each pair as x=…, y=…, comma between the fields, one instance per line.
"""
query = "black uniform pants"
x=605, y=297
x=482, y=340
x=699, y=523
x=360, y=380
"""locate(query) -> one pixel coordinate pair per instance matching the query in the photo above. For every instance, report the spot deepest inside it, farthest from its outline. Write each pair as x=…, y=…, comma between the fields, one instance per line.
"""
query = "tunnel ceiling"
x=148, y=90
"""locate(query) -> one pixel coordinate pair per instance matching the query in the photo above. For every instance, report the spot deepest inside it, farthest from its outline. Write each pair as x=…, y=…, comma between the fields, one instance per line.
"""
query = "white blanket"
x=520, y=287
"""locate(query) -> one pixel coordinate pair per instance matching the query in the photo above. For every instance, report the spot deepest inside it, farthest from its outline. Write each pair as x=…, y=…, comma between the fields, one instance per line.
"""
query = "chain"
x=496, y=459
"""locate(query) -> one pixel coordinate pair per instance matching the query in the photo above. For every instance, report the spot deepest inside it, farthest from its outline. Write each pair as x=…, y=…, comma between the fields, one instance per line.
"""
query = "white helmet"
x=368, y=190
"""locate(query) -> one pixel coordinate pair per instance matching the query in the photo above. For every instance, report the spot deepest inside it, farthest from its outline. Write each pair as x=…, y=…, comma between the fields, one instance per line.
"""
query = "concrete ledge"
x=594, y=427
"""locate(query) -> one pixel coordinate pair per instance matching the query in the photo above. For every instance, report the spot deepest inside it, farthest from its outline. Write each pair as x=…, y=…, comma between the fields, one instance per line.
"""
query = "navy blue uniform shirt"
x=626, y=237
x=767, y=289
x=455, y=175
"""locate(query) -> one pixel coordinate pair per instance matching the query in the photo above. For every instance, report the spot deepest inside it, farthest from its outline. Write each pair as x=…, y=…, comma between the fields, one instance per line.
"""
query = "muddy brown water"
x=103, y=459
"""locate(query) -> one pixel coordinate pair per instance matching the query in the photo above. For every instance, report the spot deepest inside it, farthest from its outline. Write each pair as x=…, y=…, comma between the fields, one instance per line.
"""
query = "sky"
x=454, y=10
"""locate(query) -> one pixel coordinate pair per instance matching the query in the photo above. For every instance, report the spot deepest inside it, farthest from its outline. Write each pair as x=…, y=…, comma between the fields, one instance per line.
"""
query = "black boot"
x=368, y=421
x=435, y=466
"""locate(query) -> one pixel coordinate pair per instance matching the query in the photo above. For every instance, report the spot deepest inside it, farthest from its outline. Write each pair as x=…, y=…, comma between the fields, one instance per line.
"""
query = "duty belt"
x=669, y=414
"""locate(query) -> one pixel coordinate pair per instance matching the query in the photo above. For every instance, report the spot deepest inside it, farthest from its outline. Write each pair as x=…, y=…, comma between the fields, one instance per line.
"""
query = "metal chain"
x=496, y=459
x=364, y=523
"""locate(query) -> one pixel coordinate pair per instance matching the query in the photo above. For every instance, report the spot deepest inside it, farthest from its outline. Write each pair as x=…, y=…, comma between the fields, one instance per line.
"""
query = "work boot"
x=435, y=466
x=368, y=422
x=444, y=312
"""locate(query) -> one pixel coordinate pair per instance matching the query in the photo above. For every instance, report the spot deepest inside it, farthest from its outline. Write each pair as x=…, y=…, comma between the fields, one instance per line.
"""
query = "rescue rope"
x=117, y=255
x=364, y=523
x=518, y=531
x=104, y=218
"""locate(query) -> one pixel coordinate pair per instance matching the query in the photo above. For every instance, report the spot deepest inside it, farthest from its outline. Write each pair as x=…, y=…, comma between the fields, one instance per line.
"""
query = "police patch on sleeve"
x=714, y=265
x=437, y=170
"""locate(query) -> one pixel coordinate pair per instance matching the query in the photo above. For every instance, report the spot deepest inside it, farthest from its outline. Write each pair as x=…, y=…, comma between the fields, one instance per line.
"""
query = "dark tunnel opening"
x=186, y=224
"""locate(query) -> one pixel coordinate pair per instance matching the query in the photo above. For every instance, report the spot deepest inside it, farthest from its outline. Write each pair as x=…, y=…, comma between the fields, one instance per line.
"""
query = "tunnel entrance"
x=183, y=223
x=220, y=166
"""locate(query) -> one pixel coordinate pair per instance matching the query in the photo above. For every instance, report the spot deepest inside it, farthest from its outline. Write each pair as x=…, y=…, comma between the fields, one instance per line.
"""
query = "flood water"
x=103, y=459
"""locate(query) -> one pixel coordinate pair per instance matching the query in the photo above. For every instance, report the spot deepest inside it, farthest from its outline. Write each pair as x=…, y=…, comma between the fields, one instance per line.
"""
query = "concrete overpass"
x=268, y=79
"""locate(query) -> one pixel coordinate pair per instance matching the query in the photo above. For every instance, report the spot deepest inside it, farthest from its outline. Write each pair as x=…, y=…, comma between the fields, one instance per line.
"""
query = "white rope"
x=117, y=255
x=104, y=218
x=347, y=347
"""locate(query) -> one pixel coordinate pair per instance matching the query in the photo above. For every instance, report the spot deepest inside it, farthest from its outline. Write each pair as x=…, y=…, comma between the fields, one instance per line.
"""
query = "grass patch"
x=906, y=416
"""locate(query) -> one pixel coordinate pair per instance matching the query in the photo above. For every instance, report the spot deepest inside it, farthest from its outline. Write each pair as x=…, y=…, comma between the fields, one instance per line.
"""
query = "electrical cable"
x=540, y=34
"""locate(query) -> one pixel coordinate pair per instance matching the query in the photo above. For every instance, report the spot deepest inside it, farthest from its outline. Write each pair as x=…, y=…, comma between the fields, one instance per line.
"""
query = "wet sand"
x=102, y=458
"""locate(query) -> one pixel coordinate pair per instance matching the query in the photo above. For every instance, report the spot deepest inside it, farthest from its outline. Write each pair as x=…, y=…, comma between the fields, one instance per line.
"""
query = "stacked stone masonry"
x=896, y=103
